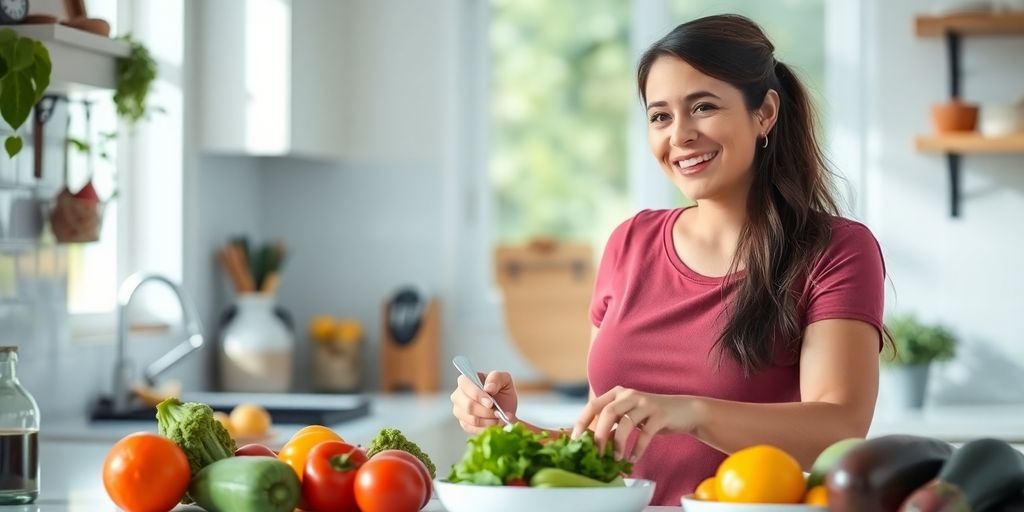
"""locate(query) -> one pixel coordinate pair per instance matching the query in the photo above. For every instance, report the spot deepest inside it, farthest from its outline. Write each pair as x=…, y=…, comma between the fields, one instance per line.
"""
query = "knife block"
x=413, y=365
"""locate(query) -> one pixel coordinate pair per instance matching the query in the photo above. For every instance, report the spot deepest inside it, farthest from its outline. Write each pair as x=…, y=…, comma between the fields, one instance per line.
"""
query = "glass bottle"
x=19, y=435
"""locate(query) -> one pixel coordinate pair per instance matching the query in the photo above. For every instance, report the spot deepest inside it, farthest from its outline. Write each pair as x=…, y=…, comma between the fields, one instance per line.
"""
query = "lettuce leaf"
x=498, y=457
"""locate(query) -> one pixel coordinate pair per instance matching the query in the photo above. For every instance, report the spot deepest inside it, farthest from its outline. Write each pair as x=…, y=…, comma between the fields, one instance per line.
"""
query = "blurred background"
x=353, y=192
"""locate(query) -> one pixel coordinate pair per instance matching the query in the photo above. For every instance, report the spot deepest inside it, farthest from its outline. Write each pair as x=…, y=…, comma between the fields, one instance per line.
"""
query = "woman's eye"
x=659, y=116
x=704, y=107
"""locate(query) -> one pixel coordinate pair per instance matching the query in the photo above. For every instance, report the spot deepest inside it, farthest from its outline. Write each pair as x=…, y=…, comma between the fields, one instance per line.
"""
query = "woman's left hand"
x=629, y=409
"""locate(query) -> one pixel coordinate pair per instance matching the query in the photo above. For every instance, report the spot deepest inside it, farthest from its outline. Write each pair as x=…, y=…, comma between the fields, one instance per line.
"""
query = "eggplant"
x=977, y=477
x=878, y=474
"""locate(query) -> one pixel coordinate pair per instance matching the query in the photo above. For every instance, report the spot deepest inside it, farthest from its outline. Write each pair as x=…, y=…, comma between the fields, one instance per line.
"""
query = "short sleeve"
x=848, y=280
x=607, y=273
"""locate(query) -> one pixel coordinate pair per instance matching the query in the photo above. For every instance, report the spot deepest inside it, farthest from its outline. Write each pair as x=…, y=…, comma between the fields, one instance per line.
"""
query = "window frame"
x=133, y=215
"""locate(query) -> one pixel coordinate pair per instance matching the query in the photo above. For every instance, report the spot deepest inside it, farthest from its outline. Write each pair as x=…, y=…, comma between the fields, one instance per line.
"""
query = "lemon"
x=348, y=330
x=321, y=327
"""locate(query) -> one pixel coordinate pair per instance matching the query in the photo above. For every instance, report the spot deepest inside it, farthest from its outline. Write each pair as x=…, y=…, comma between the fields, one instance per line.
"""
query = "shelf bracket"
x=953, y=48
x=954, y=159
x=954, y=183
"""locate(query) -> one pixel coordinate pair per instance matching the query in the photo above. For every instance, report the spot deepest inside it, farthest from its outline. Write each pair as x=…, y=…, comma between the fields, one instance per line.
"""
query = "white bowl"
x=693, y=505
x=634, y=497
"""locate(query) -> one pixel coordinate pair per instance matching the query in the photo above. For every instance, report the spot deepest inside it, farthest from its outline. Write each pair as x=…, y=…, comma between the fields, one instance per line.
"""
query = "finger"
x=627, y=425
x=469, y=429
x=477, y=421
x=465, y=408
x=609, y=417
x=603, y=427
x=643, y=440
x=473, y=393
x=496, y=382
x=590, y=411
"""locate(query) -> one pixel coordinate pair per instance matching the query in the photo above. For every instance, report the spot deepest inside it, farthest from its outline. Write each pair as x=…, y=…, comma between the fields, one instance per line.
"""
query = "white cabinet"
x=271, y=77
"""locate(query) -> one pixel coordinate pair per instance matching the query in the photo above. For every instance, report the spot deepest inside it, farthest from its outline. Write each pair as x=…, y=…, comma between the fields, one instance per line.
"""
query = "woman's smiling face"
x=700, y=130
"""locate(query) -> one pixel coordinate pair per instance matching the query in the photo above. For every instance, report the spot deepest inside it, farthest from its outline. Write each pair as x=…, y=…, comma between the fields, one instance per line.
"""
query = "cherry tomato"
x=328, y=484
x=254, y=449
x=389, y=484
x=424, y=472
x=145, y=472
x=298, y=447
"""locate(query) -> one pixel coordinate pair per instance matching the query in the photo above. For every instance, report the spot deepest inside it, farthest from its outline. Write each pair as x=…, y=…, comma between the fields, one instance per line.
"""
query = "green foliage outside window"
x=562, y=95
x=561, y=92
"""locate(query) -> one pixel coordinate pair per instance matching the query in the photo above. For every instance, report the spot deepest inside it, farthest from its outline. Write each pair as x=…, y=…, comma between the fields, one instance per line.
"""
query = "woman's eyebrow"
x=689, y=97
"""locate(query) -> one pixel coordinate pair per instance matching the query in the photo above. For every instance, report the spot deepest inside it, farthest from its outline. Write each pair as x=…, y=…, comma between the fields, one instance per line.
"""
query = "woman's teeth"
x=690, y=162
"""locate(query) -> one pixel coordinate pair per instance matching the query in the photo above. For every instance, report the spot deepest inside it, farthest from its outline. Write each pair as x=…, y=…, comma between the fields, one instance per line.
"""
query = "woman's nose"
x=683, y=133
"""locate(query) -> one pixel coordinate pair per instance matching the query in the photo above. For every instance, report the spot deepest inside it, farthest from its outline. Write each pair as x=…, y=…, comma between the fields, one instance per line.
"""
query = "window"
x=142, y=227
x=561, y=92
x=795, y=27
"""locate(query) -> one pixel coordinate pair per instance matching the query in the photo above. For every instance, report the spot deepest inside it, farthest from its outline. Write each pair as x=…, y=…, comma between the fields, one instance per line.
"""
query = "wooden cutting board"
x=546, y=289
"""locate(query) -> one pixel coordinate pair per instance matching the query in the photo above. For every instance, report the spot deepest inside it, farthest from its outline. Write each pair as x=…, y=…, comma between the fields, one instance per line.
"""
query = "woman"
x=754, y=317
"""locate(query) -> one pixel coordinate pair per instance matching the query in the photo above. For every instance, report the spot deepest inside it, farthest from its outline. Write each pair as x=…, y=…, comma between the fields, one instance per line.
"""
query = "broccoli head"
x=193, y=427
x=393, y=439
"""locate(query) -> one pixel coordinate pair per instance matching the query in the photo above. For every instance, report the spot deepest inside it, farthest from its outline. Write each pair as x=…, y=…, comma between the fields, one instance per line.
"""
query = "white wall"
x=394, y=212
x=964, y=272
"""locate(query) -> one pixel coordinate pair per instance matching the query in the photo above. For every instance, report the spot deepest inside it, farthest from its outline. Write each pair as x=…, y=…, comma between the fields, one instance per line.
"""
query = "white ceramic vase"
x=256, y=348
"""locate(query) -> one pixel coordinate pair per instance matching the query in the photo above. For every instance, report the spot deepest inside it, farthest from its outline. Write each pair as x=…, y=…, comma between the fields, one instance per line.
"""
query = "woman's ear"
x=768, y=112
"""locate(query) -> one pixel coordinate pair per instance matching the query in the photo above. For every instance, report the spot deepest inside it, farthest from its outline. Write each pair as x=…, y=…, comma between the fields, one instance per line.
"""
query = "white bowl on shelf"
x=997, y=120
x=633, y=497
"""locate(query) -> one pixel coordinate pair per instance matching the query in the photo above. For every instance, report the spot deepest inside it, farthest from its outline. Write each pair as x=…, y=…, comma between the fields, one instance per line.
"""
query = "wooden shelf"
x=981, y=23
x=79, y=58
x=970, y=142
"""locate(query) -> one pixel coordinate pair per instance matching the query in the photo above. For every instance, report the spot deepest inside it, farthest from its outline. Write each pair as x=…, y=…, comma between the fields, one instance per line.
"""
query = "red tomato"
x=146, y=472
x=254, y=450
x=389, y=484
x=298, y=447
x=330, y=475
x=424, y=472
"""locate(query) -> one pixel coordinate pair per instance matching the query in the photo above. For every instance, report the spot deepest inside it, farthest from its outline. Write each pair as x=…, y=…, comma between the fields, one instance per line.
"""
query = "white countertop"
x=72, y=451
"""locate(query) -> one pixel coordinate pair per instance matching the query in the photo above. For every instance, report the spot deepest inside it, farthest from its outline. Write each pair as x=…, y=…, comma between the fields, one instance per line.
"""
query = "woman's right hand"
x=472, y=407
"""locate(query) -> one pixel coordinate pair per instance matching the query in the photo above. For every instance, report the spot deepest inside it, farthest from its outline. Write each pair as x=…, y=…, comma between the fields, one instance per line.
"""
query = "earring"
x=765, y=144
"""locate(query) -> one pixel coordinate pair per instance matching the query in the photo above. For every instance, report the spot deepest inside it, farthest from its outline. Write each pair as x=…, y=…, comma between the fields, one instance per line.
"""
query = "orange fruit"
x=706, y=490
x=760, y=474
x=817, y=495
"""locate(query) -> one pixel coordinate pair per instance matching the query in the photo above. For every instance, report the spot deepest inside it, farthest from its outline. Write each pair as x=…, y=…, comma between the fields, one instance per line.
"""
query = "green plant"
x=915, y=342
x=135, y=75
x=24, y=76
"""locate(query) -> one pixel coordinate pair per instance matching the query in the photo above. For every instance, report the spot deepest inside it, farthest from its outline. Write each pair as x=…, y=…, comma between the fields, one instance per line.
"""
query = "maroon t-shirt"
x=659, y=319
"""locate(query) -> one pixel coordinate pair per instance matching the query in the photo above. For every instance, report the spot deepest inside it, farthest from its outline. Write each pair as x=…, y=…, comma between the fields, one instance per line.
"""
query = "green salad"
x=522, y=457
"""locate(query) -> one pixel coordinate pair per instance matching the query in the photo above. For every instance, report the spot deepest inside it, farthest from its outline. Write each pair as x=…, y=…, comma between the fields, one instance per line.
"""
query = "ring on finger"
x=631, y=420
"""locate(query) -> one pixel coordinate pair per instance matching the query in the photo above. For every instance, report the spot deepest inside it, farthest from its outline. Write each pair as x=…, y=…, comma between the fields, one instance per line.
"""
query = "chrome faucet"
x=123, y=369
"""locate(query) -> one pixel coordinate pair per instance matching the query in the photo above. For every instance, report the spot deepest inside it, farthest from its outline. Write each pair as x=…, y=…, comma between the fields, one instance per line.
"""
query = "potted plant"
x=915, y=345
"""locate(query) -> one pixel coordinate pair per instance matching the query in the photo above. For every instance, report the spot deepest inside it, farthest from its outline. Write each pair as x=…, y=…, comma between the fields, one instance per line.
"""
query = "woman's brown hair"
x=791, y=201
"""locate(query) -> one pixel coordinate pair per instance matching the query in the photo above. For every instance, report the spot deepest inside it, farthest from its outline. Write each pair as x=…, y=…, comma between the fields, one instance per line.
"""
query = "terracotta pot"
x=954, y=116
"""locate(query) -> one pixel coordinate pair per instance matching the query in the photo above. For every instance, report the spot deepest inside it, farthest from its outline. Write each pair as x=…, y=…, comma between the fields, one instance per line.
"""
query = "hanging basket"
x=76, y=220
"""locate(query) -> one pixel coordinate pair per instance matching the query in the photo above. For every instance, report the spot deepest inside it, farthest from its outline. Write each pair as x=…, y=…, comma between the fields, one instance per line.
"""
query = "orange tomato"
x=315, y=428
x=297, y=449
x=760, y=474
x=146, y=472
x=817, y=495
x=706, y=490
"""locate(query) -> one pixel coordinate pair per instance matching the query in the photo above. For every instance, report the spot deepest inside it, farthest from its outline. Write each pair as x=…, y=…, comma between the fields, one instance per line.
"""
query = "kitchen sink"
x=297, y=408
